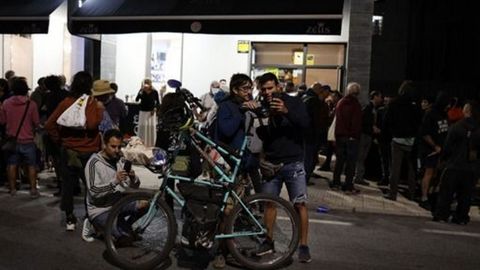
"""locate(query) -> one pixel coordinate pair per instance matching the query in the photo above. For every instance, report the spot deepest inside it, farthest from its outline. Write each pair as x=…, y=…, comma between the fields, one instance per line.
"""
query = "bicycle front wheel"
x=269, y=250
x=138, y=236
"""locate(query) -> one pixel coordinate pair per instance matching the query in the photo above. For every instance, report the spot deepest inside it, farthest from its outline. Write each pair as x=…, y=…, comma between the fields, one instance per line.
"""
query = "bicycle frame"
x=226, y=180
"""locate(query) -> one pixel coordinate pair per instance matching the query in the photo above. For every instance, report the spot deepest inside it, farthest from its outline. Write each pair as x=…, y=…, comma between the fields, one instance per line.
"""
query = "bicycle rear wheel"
x=132, y=242
x=284, y=232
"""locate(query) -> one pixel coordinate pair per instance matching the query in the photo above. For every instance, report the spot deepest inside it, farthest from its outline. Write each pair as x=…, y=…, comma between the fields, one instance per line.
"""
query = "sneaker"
x=460, y=221
x=425, y=205
x=351, y=191
x=88, y=231
x=34, y=194
x=363, y=183
x=440, y=219
x=71, y=222
x=390, y=197
x=335, y=186
x=304, y=254
x=219, y=261
x=265, y=248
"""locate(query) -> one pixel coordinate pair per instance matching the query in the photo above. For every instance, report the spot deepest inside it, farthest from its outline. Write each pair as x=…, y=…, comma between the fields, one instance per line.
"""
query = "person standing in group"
x=208, y=103
x=116, y=108
x=331, y=101
x=12, y=111
x=283, y=147
x=433, y=132
x=316, y=135
x=461, y=153
x=78, y=144
x=147, y=120
x=369, y=129
x=348, y=125
x=402, y=121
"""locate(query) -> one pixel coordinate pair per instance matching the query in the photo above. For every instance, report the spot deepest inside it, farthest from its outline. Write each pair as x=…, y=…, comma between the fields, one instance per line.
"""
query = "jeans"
x=461, y=183
x=71, y=174
x=363, y=148
x=126, y=218
x=293, y=174
x=400, y=153
x=347, y=150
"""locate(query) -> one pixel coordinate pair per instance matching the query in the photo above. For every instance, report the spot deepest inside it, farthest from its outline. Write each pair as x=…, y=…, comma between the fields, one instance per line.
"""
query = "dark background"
x=435, y=43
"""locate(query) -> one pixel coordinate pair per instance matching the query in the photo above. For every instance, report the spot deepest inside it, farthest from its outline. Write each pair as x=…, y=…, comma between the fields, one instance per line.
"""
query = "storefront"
x=323, y=43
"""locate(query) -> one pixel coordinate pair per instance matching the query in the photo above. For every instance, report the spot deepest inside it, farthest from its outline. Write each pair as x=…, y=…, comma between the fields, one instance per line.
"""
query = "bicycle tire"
x=140, y=244
x=236, y=219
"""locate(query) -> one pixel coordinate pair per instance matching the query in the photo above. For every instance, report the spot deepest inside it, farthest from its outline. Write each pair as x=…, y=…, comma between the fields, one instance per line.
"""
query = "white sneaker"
x=71, y=222
x=88, y=231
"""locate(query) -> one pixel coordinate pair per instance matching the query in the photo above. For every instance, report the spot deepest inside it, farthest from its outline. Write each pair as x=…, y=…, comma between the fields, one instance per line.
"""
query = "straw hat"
x=101, y=87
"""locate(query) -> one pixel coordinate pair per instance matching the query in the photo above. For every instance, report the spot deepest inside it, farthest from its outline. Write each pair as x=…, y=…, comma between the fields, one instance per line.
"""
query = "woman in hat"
x=147, y=122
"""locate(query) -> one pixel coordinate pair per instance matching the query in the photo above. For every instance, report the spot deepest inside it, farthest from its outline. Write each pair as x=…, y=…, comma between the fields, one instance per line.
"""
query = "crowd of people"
x=288, y=126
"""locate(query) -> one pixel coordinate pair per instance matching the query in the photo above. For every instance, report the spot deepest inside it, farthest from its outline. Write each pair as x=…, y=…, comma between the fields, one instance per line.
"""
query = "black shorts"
x=431, y=161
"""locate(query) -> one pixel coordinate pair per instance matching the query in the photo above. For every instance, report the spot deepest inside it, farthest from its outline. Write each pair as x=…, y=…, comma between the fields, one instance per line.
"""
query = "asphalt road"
x=32, y=236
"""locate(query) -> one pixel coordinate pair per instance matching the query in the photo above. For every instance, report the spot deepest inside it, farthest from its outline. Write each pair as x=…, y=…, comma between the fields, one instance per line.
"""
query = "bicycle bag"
x=191, y=191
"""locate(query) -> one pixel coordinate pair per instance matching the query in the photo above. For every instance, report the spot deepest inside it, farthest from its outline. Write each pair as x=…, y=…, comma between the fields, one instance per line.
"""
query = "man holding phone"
x=107, y=176
x=283, y=148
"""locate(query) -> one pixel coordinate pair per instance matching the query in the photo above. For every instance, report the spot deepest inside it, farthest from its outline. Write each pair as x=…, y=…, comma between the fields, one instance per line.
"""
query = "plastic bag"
x=74, y=116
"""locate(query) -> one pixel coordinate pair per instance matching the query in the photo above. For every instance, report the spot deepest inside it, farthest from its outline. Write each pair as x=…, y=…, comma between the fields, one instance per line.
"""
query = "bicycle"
x=150, y=226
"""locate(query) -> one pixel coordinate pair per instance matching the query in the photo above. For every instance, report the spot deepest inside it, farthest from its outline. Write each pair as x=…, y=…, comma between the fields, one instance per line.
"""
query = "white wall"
x=210, y=57
x=130, y=63
x=48, y=49
x=205, y=57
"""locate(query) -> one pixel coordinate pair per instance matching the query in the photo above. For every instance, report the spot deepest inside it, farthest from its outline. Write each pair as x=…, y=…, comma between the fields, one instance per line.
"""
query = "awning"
x=207, y=16
x=26, y=16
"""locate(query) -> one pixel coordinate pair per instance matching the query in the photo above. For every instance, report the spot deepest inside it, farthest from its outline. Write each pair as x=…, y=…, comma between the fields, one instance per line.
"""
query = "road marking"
x=476, y=235
x=322, y=221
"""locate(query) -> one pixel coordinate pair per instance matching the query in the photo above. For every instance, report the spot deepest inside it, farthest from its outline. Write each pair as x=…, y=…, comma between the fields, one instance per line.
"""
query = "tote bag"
x=331, y=130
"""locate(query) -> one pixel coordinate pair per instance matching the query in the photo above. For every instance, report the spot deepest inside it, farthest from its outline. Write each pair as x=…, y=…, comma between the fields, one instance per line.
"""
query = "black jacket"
x=283, y=136
x=402, y=118
x=462, y=146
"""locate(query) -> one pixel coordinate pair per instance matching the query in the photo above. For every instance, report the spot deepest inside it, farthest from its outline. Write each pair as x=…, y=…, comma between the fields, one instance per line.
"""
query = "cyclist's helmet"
x=159, y=157
x=174, y=113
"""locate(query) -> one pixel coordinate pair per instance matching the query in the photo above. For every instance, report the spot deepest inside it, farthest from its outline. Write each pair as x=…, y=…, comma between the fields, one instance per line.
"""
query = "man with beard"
x=106, y=177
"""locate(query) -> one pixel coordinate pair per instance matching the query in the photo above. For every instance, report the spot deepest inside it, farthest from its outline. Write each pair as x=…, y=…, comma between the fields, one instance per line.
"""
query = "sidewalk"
x=369, y=200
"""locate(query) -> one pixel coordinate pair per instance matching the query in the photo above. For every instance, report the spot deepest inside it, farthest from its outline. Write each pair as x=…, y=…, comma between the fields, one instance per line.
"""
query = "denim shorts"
x=26, y=152
x=293, y=174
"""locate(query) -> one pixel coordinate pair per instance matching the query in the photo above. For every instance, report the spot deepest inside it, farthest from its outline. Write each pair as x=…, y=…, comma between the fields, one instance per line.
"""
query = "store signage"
x=310, y=17
x=243, y=46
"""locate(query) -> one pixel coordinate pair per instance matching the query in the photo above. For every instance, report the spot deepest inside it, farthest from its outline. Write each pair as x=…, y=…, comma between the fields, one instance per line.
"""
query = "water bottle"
x=322, y=209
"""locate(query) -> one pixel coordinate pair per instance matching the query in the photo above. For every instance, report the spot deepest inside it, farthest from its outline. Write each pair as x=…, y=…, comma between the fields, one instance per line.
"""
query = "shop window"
x=325, y=54
x=278, y=54
x=300, y=62
x=332, y=77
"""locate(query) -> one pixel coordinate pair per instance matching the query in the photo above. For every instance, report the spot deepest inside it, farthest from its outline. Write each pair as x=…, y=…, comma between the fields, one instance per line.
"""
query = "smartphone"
x=127, y=166
x=276, y=95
